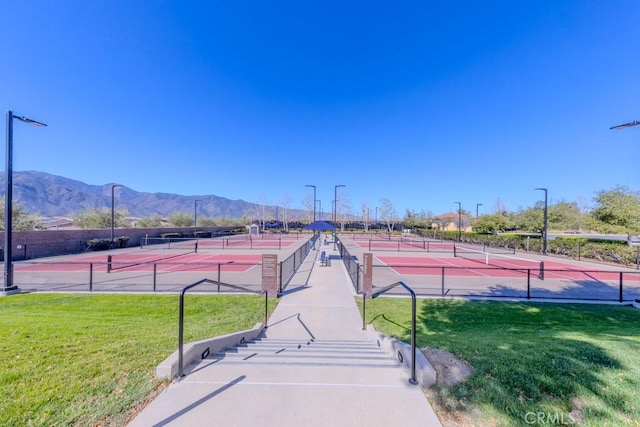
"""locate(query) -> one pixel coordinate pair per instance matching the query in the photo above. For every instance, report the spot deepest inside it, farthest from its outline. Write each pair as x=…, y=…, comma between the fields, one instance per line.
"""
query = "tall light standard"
x=319, y=202
x=477, y=206
x=376, y=221
x=546, y=224
x=314, y=200
x=195, y=217
x=459, y=220
x=335, y=202
x=113, y=187
x=335, y=211
x=8, y=286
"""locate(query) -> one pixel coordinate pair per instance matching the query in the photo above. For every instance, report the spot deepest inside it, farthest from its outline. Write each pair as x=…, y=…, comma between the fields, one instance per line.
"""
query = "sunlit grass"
x=90, y=359
x=571, y=364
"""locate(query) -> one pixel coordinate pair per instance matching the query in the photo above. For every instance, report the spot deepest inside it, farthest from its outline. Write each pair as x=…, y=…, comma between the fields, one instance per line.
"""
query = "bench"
x=323, y=258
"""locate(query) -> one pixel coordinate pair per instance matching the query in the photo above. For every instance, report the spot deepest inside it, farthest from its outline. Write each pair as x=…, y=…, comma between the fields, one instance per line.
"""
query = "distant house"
x=449, y=222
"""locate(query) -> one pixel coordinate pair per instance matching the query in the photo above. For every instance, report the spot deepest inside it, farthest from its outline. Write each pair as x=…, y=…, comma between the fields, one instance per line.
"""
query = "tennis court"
x=476, y=270
x=158, y=266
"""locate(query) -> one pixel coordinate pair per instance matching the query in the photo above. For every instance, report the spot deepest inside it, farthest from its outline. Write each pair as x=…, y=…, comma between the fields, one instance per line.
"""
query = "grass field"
x=90, y=359
x=535, y=364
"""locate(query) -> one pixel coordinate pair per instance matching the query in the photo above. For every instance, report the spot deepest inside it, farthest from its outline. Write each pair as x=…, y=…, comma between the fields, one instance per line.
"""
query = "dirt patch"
x=449, y=369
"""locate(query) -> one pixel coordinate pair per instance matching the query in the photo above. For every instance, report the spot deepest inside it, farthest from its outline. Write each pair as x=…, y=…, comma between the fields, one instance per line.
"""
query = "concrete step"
x=312, y=362
x=294, y=351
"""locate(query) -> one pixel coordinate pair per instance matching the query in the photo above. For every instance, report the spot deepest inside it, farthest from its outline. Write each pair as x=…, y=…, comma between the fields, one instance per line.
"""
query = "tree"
x=153, y=221
x=178, y=219
x=101, y=218
x=388, y=213
x=285, y=202
x=366, y=215
x=343, y=211
x=413, y=219
x=21, y=220
x=618, y=207
x=564, y=216
x=443, y=221
x=531, y=219
x=308, y=202
x=494, y=223
x=499, y=207
x=207, y=222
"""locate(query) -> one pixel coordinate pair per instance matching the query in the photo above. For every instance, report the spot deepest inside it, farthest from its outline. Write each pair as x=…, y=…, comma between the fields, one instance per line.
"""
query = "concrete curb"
x=425, y=372
x=194, y=350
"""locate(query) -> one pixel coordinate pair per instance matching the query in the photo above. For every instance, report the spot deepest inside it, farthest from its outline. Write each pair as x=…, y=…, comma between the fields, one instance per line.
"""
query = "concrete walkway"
x=314, y=366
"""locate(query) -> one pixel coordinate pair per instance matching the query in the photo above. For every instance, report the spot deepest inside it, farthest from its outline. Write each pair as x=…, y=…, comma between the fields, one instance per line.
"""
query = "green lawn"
x=90, y=359
x=535, y=364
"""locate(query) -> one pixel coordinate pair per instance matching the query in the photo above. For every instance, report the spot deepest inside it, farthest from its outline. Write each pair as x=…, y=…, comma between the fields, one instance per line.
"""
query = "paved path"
x=315, y=366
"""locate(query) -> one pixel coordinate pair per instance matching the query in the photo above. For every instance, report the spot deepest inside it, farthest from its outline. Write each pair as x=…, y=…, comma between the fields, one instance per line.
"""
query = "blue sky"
x=424, y=103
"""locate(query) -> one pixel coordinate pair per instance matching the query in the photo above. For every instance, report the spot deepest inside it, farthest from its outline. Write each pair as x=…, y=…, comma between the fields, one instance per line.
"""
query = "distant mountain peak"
x=52, y=195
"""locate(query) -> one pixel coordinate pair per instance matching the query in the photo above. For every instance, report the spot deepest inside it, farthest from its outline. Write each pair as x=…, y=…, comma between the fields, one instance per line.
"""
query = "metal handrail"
x=413, y=380
x=181, y=316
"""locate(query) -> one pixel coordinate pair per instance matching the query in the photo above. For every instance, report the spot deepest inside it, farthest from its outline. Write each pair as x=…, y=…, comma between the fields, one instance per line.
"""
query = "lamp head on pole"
x=626, y=125
x=30, y=121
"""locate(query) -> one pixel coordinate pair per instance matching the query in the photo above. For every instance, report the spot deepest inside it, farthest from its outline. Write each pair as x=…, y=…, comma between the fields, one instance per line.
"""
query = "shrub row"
x=601, y=250
x=104, y=244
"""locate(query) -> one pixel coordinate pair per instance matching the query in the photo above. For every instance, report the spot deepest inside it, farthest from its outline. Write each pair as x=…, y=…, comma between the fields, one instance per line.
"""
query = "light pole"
x=335, y=211
x=459, y=220
x=546, y=224
x=113, y=187
x=376, y=221
x=335, y=201
x=319, y=202
x=477, y=206
x=8, y=286
x=314, y=200
x=195, y=217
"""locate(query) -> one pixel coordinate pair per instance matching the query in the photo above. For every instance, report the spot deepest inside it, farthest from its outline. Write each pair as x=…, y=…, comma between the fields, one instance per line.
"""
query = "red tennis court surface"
x=247, y=243
x=166, y=261
x=407, y=245
x=499, y=268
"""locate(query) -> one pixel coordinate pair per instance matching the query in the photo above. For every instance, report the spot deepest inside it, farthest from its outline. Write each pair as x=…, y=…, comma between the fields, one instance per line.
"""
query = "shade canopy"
x=319, y=226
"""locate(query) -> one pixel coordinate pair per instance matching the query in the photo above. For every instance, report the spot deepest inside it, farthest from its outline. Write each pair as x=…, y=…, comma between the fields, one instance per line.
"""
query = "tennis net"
x=149, y=256
x=417, y=243
x=502, y=261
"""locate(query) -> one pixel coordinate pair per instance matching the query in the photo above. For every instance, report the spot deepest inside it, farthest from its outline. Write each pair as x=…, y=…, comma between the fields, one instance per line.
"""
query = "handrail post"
x=266, y=304
x=181, y=334
x=620, y=297
x=413, y=380
x=364, y=310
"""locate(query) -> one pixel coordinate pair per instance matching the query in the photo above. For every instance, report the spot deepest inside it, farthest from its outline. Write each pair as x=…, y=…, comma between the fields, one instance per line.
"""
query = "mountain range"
x=51, y=195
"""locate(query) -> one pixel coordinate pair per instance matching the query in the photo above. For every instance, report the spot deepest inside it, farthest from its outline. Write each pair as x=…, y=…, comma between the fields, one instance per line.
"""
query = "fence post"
x=528, y=283
x=90, y=277
x=109, y=263
x=154, y=276
x=280, y=284
x=442, y=281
